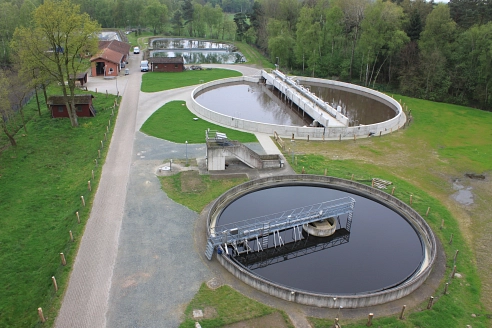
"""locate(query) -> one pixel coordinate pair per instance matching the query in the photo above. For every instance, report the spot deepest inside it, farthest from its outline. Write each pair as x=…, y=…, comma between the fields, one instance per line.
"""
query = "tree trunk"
x=353, y=52
x=10, y=136
x=43, y=86
x=37, y=100
x=377, y=73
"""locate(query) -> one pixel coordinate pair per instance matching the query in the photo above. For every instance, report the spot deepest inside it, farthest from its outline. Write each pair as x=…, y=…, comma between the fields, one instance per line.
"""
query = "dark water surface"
x=255, y=102
x=358, y=108
x=383, y=248
x=250, y=101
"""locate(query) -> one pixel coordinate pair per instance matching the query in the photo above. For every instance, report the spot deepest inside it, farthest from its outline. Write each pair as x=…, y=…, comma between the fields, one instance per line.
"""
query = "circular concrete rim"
x=329, y=133
x=330, y=300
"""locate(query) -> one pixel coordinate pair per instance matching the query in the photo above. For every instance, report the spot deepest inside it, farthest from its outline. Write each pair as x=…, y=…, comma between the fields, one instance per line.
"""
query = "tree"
x=6, y=112
x=187, y=12
x=156, y=15
x=61, y=35
x=470, y=12
x=436, y=41
x=382, y=36
x=242, y=25
x=177, y=22
x=354, y=14
x=9, y=15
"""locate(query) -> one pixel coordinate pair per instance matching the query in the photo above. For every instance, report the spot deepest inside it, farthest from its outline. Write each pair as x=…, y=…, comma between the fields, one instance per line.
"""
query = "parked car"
x=144, y=66
x=136, y=50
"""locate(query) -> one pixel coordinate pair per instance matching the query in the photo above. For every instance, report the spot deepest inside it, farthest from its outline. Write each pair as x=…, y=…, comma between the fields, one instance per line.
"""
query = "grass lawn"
x=442, y=144
x=41, y=181
x=253, y=56
x=226, y=306
x=159, y=81
x=174, y=122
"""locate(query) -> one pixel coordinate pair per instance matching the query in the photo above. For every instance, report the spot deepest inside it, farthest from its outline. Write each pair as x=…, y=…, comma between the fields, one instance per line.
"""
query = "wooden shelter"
x=83, y=103
x=166, y=64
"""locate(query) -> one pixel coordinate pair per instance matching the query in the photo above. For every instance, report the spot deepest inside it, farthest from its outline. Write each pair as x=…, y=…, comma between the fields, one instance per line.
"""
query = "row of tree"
x=415, y=47
x=440, y=52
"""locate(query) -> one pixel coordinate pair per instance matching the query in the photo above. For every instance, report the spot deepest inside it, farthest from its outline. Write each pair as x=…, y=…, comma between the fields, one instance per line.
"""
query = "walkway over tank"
x=315, y=107
x=261, y=227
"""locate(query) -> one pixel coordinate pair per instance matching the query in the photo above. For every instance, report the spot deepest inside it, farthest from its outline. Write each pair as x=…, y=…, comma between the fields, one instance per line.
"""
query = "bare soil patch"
x=274, y=320
x=191, y=182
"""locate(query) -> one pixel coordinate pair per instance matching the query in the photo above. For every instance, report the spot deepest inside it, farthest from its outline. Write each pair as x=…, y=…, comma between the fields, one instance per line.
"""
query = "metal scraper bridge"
x=239, y=234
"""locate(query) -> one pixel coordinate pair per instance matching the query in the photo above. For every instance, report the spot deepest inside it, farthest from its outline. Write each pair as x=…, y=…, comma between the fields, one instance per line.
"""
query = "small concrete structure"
x=219, y=148
x=323, y=228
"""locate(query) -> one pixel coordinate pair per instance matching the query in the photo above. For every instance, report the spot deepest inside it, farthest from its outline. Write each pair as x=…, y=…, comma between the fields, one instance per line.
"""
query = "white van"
x=136, y=50
x=144, y=66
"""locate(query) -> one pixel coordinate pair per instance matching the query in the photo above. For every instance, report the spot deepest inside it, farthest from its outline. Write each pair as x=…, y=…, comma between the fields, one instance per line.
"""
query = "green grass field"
x=159, y=81
x=174, y=122
x=41, y=182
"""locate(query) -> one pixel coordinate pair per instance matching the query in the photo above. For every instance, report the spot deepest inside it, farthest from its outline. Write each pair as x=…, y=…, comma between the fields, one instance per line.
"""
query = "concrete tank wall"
x=326, y=300
x=332, y=133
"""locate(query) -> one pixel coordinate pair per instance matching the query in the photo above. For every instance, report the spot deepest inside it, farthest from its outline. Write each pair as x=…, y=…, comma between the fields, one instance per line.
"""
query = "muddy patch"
x=274, y=320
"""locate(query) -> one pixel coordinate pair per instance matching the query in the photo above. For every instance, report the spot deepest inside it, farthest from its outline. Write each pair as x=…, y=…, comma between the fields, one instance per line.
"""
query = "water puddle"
x=462, y=195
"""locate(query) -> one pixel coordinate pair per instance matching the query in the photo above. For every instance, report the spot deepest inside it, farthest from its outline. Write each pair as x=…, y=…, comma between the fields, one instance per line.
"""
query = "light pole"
x=186, y=142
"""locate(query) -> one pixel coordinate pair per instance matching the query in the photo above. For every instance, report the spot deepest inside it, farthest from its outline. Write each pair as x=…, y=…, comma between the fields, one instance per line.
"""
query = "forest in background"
x=435, y=51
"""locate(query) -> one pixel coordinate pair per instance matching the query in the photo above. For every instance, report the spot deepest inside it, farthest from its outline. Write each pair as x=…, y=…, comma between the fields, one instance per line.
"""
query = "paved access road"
x=136, y=265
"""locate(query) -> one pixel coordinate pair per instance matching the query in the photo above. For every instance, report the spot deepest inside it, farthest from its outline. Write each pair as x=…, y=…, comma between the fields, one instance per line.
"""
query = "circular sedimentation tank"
x=384, y=253
x=245, y=103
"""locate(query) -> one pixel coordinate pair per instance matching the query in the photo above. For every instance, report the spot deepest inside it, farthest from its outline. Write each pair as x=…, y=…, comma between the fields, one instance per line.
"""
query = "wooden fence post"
x=62, y=258
x=402, y=313
x=55, y=285
x=41, y=315
x=431, y=302
x=369, y=320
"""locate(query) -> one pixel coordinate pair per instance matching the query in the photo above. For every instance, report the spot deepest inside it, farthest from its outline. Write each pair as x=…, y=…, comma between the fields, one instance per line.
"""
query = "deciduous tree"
x=58, y=41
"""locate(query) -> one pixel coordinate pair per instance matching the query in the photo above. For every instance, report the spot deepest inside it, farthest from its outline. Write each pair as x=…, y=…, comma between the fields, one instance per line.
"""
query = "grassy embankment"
x=443, y=143
x=41, y=182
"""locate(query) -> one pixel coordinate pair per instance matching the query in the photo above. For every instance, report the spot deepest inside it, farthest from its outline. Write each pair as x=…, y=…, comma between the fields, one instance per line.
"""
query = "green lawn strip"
x=41, y=181
x=253, y=56
x=160, y=81
x=463, y=300
x=174, y=122
x=461, y=134
x=208, y=190
x=229, y=305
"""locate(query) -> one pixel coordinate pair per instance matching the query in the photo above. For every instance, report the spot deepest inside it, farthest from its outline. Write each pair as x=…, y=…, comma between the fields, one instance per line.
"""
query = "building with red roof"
x=110, y=59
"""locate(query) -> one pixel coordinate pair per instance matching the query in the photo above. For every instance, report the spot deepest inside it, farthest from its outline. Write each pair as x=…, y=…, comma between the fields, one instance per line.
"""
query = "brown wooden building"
x=166, y=64
x=83, y=103
x=110, y=59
